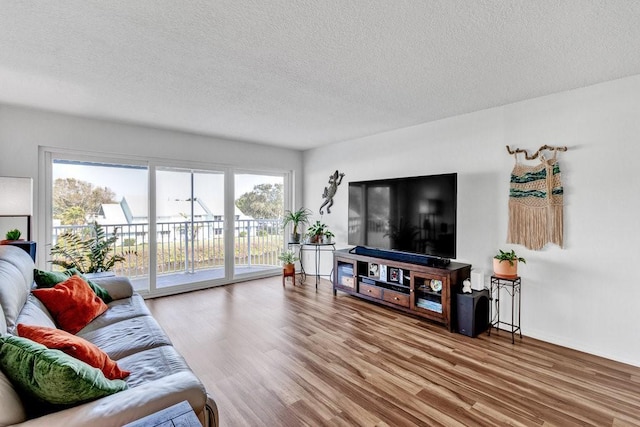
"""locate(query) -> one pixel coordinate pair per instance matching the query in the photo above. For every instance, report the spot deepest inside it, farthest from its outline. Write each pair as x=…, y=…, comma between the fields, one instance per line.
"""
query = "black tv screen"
x=415, y=214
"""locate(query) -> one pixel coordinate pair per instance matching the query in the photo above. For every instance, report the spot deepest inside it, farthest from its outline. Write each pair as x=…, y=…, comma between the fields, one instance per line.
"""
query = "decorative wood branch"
x=537, y=153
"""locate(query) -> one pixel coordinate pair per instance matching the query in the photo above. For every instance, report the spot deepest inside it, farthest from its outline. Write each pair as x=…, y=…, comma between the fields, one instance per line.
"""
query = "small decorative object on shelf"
x=374, y=269
x=13, y=235
x=466, y=286
x=394, y=274
x=505, y=264
x=436, y=285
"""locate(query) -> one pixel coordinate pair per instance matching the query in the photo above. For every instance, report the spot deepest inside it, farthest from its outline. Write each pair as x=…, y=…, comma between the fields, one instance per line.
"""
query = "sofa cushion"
x=48, y=279
x=35, y=313
x=119, y=287
x=119, y=310
x=73, y=346
x=72, y=303
x=126, y=337
x=11, y=409
x=51, y=375
x=16, y=278
x=153, y=364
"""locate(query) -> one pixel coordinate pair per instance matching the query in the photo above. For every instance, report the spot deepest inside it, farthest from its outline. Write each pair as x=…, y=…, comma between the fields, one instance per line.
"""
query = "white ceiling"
x=304, y=73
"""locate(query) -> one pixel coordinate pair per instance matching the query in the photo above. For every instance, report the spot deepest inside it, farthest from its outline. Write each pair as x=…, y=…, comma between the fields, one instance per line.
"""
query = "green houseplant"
x=296, y=218
x=505, y=264
x=92, y=253
x=328, y=236
x=317, y=231
x=11, y=236
x=288, y=259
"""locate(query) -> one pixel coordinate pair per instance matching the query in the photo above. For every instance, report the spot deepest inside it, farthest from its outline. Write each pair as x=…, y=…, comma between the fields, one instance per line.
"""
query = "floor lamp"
x=16, y=199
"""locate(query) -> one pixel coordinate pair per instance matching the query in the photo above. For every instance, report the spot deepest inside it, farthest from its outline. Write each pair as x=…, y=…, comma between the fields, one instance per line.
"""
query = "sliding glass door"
x=259, y=208
x=89, y=197
x=175, y=227
x=189, y=227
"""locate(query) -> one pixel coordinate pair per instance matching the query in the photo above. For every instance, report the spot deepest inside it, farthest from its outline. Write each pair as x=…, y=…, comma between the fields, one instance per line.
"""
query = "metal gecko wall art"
x=334, y=180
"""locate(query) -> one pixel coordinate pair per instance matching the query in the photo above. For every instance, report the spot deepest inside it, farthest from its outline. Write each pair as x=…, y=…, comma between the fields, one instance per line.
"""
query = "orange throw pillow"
x=74, y=346
x=72, y=303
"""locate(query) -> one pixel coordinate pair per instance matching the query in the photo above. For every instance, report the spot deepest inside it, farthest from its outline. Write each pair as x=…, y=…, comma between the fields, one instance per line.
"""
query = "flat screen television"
x=414, y=214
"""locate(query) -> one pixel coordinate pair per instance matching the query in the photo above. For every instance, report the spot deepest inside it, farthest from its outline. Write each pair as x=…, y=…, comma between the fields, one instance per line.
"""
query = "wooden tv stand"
x=425, y=291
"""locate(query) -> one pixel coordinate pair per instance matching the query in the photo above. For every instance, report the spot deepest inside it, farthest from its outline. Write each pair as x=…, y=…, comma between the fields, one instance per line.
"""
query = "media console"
x=407, y=282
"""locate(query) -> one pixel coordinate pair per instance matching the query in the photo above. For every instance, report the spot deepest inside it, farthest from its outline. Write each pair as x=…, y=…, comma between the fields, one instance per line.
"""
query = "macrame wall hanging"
x=536, y=200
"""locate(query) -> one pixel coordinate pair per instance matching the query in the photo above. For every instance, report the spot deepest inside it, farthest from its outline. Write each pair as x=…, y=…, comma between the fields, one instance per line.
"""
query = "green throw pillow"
x=51, y=375
x=48, y=279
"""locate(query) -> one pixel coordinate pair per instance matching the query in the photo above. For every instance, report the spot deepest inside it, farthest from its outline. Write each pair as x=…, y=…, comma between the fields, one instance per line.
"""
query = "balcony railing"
x=256, y=243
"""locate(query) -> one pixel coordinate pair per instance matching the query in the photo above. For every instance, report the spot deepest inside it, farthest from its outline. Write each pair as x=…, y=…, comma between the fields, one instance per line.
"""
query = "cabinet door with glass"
x=430, y=295
x=345, y=274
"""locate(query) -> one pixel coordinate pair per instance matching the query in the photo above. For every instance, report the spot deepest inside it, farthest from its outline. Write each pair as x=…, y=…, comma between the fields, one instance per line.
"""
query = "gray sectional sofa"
x=126, y=332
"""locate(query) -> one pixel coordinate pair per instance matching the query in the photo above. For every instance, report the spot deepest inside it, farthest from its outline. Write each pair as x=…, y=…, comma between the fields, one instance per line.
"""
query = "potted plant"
x=94, y=253
x=505, y=264
x=296, y=218
x=11, y=236
x=328, y=236
x=316, y=232
x=288, y=259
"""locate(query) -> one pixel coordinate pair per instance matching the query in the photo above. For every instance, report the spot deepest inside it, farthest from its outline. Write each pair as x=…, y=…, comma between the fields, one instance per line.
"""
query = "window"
x=177, y=227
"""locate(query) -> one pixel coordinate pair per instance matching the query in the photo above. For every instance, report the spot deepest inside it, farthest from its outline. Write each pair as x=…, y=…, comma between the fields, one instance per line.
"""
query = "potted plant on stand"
x=296, y=218
x=328, y=236
x=288, y=259
x=317, y=231
x=505, y=264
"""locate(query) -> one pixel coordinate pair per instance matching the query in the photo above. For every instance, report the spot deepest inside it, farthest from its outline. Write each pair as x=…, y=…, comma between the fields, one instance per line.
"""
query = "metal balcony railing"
x=256, y=243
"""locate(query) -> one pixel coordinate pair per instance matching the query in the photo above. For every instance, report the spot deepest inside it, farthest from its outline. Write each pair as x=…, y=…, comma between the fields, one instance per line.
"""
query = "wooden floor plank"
x=274, y=356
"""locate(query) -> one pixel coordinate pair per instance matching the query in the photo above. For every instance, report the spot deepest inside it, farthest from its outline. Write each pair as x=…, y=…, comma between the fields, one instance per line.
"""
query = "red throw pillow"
x=74, y=346
x=72, y=303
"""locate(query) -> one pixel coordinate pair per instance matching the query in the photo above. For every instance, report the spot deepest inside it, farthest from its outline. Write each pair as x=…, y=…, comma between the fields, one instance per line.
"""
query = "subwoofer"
x=473, y=312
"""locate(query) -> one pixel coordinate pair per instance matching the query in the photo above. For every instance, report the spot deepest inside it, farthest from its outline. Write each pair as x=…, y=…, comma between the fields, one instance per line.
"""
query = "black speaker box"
x=473, y=312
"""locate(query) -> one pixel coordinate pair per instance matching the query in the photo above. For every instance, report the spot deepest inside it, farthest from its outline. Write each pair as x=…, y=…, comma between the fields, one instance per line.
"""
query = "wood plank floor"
x=294, y=357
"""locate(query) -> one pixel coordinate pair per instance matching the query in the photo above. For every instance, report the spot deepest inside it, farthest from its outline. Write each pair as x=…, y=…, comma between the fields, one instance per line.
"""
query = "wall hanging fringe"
x=536, y=200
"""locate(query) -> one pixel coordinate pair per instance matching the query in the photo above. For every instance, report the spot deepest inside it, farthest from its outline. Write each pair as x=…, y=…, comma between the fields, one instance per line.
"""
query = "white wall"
x=585, y=296
x=23, y=131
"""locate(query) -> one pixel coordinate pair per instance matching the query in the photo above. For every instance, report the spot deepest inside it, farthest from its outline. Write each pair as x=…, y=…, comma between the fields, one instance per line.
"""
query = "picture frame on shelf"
x=394, y=274
x=383, y=272
x=374, y=269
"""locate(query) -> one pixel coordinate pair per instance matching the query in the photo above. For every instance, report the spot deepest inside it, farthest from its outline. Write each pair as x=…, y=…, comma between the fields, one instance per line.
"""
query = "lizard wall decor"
x=334, y=180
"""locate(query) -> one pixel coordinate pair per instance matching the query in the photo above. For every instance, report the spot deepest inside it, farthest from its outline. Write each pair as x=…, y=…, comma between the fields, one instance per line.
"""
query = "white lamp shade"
x=16, y=196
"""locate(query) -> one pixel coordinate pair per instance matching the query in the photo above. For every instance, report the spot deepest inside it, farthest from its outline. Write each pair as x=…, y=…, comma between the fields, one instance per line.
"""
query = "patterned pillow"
x=52, y=376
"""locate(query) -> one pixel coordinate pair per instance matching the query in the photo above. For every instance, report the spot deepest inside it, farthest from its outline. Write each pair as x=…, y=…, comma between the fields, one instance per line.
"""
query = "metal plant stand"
x=512, y=287
x=317, y=249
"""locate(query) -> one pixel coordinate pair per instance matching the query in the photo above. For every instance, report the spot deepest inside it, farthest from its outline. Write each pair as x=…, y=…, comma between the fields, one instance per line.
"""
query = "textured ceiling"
x=303, y=73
